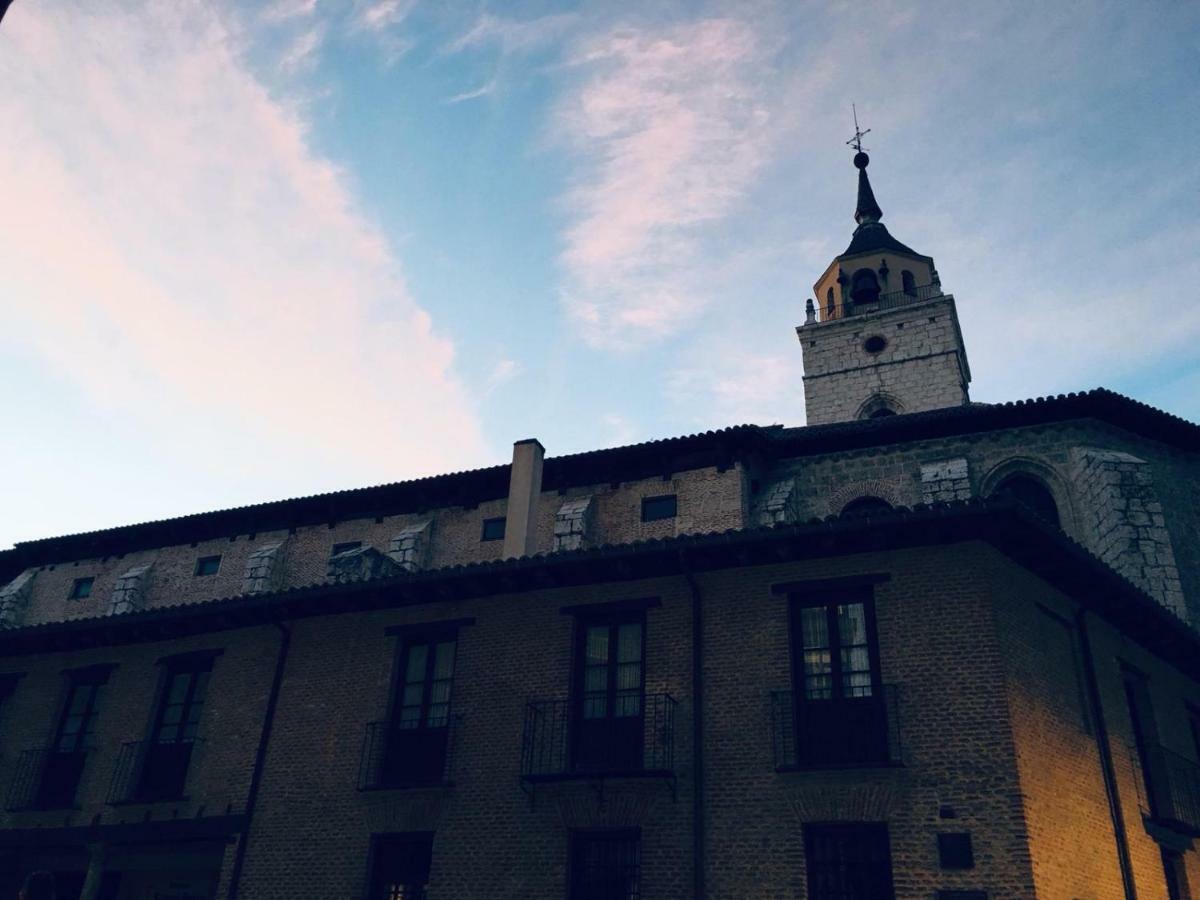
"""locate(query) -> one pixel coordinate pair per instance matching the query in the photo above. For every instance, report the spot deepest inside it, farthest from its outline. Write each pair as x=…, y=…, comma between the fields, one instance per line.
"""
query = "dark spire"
x=868, y=211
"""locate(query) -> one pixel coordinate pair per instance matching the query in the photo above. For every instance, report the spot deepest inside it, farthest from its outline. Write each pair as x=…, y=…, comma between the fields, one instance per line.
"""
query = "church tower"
x=882, y=338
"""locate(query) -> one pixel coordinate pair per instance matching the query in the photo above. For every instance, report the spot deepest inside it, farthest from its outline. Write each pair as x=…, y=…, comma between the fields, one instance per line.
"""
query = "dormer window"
x=864, y=286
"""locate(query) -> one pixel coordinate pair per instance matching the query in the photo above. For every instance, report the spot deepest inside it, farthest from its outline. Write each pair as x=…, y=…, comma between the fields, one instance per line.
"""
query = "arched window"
x=864, y=286
x=908, y=282
x=829, y=304
x=1031, y=492
x=881, y=412
x=865, y=506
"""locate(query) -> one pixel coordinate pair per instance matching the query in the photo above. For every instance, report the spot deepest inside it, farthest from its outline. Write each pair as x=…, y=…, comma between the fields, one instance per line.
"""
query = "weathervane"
x=859, y=134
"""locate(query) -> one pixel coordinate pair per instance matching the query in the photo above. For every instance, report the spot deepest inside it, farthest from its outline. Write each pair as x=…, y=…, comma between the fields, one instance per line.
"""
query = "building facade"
x=918, y=648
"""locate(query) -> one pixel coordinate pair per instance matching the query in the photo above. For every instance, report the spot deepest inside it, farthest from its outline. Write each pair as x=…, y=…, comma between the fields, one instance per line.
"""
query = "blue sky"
x=251, y=251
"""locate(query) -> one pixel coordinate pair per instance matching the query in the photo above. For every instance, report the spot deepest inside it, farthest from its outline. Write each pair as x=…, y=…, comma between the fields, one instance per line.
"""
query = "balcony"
x=559, y=744
x=892, y=300
x=151, y=771
x=1169, y=789
x=828, y=734
x=46, y=779
x=394, y=757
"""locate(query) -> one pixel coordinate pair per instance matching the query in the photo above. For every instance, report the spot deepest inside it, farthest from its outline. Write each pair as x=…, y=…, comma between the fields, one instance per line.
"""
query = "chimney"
x=524, y=487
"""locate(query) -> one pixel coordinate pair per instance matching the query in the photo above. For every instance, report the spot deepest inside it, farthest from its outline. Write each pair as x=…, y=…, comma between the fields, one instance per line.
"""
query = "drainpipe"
x=1106, y=761
x=698, y=862
x=260, y=757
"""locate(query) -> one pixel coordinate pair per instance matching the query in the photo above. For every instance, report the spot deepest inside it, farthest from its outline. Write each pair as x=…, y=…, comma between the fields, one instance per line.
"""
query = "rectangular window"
x=609, y=693
x=65, y=757
x=493, y=529
x=208, y=565
x=1145, y=741
x=606, y=865
x=168, y=753
x=400, y=865
x=82, y=588
x=1062, y=642
x=345, y=547
x=655, y=508
x=418, y=733
x=840, y=713
x=848, y=861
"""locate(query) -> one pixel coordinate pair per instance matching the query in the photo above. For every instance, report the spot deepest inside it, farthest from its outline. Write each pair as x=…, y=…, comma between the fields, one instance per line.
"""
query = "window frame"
x=375, y=855
x=813, y=830
x=193, y=664
x=492, y=521
x=198, y=571
x=647, y=502
x=429, y=637
x=830, y=599
x=612, y=619
x=89, y=581
x=582, y=837
x=92, y=678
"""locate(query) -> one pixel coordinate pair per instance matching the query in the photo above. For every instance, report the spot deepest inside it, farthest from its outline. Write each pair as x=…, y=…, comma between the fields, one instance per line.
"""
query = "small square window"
x=955, y=850
x=81, y=588
x=493, y=529
x=655, y=508
x=208, y=565
x=345, y=547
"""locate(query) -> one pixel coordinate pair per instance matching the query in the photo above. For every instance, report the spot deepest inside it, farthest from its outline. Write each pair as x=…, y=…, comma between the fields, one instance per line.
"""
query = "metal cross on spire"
x=859, y=134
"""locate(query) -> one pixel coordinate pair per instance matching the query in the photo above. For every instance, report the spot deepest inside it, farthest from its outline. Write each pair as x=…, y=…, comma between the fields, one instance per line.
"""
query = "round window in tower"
x=876, y=343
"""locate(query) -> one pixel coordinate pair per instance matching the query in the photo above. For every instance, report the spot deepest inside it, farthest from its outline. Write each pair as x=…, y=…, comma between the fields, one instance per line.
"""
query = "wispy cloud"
x=381, y=14
x=503, y=372
x=211, y=267
x=284, y=10
x=301, y=54
x=484, y=90
x=513, y=35
x=669, y=133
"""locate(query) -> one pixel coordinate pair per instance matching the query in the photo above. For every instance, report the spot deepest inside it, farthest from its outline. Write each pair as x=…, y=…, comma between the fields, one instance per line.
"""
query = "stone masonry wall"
x=922, y=366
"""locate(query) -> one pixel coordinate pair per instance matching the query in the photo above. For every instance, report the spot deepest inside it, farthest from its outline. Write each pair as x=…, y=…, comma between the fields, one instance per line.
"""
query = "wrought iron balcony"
x=559, y=742
x=1169, y=790
x=826, y=312
x=45, y=778
x=148, y=771
x=814, y=734
x=395, y=757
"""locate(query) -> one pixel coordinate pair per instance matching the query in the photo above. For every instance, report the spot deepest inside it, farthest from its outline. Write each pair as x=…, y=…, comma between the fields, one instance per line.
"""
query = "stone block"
x=14, y=599
x=362, y=564
x=129, y=594
x=410, y=549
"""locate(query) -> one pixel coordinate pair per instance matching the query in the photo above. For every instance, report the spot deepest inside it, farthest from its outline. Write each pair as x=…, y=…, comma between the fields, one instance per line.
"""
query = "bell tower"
x=881, y=338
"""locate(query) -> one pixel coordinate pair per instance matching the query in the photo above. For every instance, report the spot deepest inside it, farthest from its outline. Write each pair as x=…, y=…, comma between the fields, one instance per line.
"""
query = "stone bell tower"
x=881, y=338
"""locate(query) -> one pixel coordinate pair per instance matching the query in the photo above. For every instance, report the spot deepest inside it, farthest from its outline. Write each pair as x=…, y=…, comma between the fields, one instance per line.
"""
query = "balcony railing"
x=45, y=778
x=559, y=743
x=394, y=757
x=1169, y=789
x=893, y=300
x=147, y=771
x=811, y=734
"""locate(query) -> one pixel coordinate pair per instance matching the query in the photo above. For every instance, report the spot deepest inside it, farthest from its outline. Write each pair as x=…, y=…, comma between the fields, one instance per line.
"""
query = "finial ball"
x=860, y=160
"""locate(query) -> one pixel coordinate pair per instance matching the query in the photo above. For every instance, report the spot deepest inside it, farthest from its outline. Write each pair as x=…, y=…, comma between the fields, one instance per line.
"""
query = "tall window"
x=1145, y=739
x=606, y=865
x=610, y=693
x=848, y=861
x=829, y=304
x=65, y=759
x=864, y=286
x=168, y=753
x=420, y=721
x=907, y=282
x=840, y=714
x=400, y=865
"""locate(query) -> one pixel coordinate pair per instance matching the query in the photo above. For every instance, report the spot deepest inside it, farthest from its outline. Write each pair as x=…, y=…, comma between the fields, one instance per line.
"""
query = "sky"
x=254, y=251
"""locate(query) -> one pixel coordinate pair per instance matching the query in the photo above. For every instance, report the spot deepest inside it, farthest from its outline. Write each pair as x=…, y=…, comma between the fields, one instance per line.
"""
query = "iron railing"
x=891, y=300
x=558, y=742
x=863, y=731
x=44, y=778
x=394, y=757
x=1172, y=795
x=149, y=770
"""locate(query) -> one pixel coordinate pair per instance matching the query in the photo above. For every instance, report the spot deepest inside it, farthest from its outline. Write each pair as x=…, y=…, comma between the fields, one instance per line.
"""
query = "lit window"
x=208, y=565
x=655, y=508
x=493, y=529
x=82, y=588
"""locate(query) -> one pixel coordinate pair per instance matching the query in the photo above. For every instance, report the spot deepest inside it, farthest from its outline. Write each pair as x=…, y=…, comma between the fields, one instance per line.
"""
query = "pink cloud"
x=172, y=244
x=669, y=134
